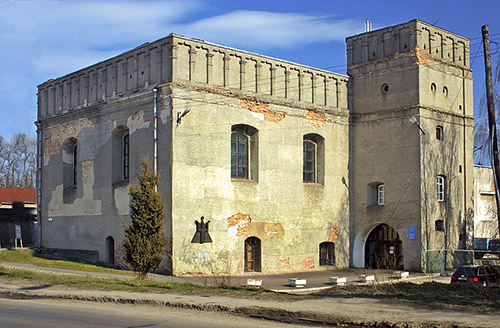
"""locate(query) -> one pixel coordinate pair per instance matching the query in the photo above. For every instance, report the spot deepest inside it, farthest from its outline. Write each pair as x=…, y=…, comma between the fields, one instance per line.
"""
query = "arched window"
x=110, y=248
x=126, y=156
x=441, y=188
x=70, y=163
x=120, y=166
x=439, y=132
x=239, y=155
x=309, y=161
x=244, y=152
x=75, y=164
x=313, y=158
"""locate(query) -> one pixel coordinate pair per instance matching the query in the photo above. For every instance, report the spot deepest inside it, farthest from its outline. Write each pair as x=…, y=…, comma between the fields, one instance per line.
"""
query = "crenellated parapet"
x=413, y=36
x=183, y=60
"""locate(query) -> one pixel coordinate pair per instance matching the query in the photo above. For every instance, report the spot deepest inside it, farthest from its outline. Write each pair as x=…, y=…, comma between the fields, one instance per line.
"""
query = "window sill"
x=121, y=183
x=241, y=180
x=313, y=184
x=71, y=188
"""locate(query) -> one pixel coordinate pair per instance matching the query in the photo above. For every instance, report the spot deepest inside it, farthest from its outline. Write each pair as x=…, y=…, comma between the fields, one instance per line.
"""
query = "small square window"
x=439, y=225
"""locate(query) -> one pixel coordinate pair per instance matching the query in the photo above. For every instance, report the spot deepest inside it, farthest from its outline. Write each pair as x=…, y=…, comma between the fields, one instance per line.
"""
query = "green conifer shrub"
x=145, y=242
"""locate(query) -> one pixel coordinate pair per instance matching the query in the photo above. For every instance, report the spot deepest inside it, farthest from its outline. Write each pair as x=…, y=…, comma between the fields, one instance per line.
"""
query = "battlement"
x=183, y=60
x=413, y=36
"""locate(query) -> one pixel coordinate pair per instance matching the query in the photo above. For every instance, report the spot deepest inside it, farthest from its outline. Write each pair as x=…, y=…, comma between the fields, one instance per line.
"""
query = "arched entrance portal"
x=383, y=249
x=252, y=254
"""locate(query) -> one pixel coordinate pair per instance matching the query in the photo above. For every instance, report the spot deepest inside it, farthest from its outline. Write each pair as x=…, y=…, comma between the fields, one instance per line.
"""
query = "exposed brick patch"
x=333, y=234
x=285, y=263
x=61, y=132
x=86, y=171
x=263, y=108
x=309, y=263
x=242, y=221
x=315, y=119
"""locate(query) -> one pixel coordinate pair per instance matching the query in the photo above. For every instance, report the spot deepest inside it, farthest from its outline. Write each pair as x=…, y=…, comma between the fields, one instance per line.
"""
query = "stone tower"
x=411, y=144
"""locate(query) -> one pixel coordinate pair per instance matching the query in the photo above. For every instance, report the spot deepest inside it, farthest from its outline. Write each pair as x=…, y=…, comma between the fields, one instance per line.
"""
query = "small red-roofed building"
x=17, y=208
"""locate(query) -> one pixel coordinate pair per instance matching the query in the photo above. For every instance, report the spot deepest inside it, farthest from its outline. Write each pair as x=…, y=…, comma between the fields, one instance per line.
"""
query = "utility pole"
x=491, y=119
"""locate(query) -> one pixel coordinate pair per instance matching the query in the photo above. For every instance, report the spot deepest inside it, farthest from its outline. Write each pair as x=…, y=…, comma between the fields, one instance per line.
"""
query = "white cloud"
x=266, y=29
x=47, y=39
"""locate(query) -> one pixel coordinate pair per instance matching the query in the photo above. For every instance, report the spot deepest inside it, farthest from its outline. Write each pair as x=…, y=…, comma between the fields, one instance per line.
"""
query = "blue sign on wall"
x=412, y=233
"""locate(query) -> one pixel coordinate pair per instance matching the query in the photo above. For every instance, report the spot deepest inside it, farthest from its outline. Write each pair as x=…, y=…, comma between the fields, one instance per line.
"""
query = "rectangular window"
x=440, y=188
x=380, y=195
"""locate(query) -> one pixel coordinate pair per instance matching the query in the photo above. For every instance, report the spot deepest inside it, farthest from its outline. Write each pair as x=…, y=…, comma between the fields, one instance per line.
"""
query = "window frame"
x=126, y=156
x=305, y=172
x=75, y=164
x=381, y=194
x=439, y=132
x=239, y=155
x=441, y=188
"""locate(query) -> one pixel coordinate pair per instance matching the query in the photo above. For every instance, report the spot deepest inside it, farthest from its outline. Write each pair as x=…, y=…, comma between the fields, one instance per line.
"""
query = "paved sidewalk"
x=351, y=312
x=316, y=280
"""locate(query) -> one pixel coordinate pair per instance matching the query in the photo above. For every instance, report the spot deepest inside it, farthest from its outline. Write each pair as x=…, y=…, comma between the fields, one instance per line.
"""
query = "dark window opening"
x=439, y=225
x=126, y=157
x=110, y=246
x=239, y=155
x=309, y=161
x=327, y=253
x=439, y=132
x=75, y=164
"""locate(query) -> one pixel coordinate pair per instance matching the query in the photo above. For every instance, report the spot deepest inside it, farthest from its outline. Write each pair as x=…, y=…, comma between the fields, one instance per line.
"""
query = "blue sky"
x=46, y=39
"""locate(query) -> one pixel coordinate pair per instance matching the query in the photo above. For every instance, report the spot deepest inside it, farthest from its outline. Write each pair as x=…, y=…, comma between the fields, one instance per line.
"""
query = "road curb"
x=262, y=312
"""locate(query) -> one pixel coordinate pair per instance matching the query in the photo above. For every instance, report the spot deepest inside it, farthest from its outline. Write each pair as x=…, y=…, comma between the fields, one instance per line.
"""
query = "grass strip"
x=28, y=256
x=139, y=285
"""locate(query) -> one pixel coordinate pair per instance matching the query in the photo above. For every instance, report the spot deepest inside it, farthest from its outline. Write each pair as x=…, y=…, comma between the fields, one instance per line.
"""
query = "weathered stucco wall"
x=485, y=220
x=81, y=216
x=397, y=75
x=291, y=218
x=410, y=71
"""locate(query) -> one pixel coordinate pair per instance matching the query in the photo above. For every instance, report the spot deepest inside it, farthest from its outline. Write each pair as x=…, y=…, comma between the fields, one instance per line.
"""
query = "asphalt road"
x=73, y=314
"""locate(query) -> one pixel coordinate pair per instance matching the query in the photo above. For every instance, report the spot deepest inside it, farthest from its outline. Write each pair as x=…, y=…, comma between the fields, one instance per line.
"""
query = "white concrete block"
x=295, y=282
x=254, y=282
x=337, y=280
x=366, y=278
x=401, y=274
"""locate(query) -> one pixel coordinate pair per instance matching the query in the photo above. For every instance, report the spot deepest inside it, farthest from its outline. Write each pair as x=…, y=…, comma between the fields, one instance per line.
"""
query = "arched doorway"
x=383, y=249
x=252, y=254
x=110, y=247
x=327, y=253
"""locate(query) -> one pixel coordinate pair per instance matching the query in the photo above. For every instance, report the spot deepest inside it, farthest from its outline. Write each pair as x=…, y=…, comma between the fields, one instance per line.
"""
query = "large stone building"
x=295, y=167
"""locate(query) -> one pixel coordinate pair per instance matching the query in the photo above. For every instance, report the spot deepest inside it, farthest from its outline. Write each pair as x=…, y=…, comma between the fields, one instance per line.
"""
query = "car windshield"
x=467, y=271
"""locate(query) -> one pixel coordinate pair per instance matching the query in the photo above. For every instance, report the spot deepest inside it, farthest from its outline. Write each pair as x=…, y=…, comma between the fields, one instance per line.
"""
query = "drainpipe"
x=155, y=133
x=39, y=152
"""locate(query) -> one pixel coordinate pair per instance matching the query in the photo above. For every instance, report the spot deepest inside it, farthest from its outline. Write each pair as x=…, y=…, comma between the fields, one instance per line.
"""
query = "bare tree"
x=17, y=161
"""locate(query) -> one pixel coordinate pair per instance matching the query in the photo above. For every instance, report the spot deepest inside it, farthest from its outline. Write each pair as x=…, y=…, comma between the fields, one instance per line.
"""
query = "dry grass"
x=466, y=296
